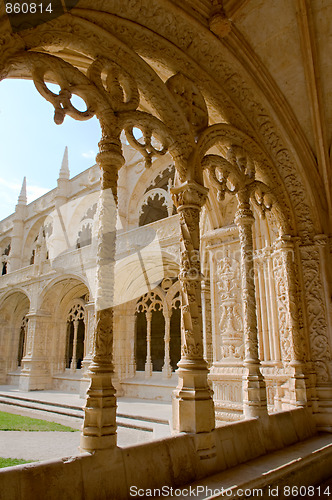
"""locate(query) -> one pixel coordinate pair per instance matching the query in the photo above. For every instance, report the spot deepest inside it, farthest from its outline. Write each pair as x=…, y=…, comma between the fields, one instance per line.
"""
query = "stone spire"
x=22, y=199
x=64, y=170
x=63, y=179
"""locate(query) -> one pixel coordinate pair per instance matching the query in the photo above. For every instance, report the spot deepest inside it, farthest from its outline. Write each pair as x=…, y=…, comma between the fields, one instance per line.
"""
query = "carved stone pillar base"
x=193, y=408
x=254, y=392
x=323, y=411
x=148, y=369
x=99, y=431
x=206, y=450
x=34, y=376
x=167, y=371
x=298, y=385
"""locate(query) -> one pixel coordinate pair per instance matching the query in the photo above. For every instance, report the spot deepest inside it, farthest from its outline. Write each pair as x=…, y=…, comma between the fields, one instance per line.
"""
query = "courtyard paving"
x=37, y=446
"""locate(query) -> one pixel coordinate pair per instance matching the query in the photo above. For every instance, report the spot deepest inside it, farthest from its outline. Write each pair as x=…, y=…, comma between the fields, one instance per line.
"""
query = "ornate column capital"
x=189, y=194
x=244, y=215
x=286, y=241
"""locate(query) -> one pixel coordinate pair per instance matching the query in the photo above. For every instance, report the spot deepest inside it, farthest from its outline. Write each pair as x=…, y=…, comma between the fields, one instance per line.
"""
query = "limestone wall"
x=170, y=462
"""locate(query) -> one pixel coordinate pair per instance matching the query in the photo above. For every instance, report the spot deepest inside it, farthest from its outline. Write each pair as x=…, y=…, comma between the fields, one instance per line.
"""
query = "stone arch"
x=159, y=202
x=222, y=71
x=271, y=137
x=77, y=214
x=75, y=340
x=147, y=178
x=29, y=243
x=14, y=309
x=56, y=300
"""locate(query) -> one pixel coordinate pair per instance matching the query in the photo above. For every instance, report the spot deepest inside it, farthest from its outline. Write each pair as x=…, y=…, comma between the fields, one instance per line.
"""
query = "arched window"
x=4, y=260
x=158, y=330
x=75, y=337
x=84, y=236
x=154, y=207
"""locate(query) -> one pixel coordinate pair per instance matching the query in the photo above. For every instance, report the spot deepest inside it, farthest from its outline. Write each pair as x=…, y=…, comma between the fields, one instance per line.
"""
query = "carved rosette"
x=189, y=199
x=316, y=312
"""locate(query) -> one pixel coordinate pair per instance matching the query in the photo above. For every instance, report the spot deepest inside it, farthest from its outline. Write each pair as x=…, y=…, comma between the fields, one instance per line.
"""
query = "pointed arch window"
x=158, y=331
x=75, y=337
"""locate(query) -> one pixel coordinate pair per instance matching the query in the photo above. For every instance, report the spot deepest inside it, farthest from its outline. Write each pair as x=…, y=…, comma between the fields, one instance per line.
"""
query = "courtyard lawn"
x=9, y=462
x=10, y=422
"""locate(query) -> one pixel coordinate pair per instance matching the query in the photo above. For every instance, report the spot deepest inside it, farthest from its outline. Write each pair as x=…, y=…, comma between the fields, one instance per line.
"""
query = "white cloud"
x=9, y=193
x=11, y=185
x=34, y=192
x=89, y=154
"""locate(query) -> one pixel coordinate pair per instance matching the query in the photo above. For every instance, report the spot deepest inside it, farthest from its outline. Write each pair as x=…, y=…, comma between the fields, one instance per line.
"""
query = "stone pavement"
x=37, y=446
x=147, y=420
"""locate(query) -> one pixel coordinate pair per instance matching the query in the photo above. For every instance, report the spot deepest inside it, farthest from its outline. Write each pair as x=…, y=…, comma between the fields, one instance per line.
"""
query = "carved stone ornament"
x=316, y=312
x=230, y=323
x=190, y=193
x=190, y=101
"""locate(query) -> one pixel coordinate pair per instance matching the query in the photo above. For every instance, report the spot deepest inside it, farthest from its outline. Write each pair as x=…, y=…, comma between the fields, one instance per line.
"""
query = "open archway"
x=211, y=115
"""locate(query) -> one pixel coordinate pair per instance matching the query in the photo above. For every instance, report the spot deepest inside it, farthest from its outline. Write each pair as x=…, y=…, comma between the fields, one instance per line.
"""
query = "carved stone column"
x=167, y=368
x=193, y=409
x=317, y=321
x=74, y=357
x=294, y=344
x=254, y=389
x=148, y=362
x=88, y=347
x=132, y=359
x=89, y=335
x=99, y=427
x=207, y=320
x=35, y=373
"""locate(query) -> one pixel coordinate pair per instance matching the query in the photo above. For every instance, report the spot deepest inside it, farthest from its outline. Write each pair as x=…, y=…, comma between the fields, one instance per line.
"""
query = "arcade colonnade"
x=222, y=157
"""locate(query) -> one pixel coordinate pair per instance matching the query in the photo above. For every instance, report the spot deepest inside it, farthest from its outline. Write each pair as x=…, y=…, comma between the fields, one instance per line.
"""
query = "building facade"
x=47, y=289
x=235, y=96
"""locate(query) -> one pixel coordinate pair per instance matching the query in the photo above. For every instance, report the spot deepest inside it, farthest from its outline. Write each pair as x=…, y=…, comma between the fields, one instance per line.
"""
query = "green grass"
x=10, y=422
x=9, y=462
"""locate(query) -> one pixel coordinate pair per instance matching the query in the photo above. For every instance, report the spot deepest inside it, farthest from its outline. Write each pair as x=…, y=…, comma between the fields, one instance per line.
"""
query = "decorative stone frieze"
x=316, y=311
x=230, y=325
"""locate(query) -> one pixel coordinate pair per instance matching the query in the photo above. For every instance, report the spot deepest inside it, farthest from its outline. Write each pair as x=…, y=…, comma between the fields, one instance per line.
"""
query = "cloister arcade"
x=200, y=249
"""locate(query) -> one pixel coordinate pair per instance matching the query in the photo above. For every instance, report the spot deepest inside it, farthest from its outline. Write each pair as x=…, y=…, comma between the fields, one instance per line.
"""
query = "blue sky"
x=32, y=145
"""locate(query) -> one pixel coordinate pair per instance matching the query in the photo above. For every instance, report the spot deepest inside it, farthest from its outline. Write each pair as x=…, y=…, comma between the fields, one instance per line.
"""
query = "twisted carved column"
x=74, y=357
x=167, y=368
x=254, y=390
x=296, y=342
x=99, y=427
x=193, y=409
x=148, y=362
